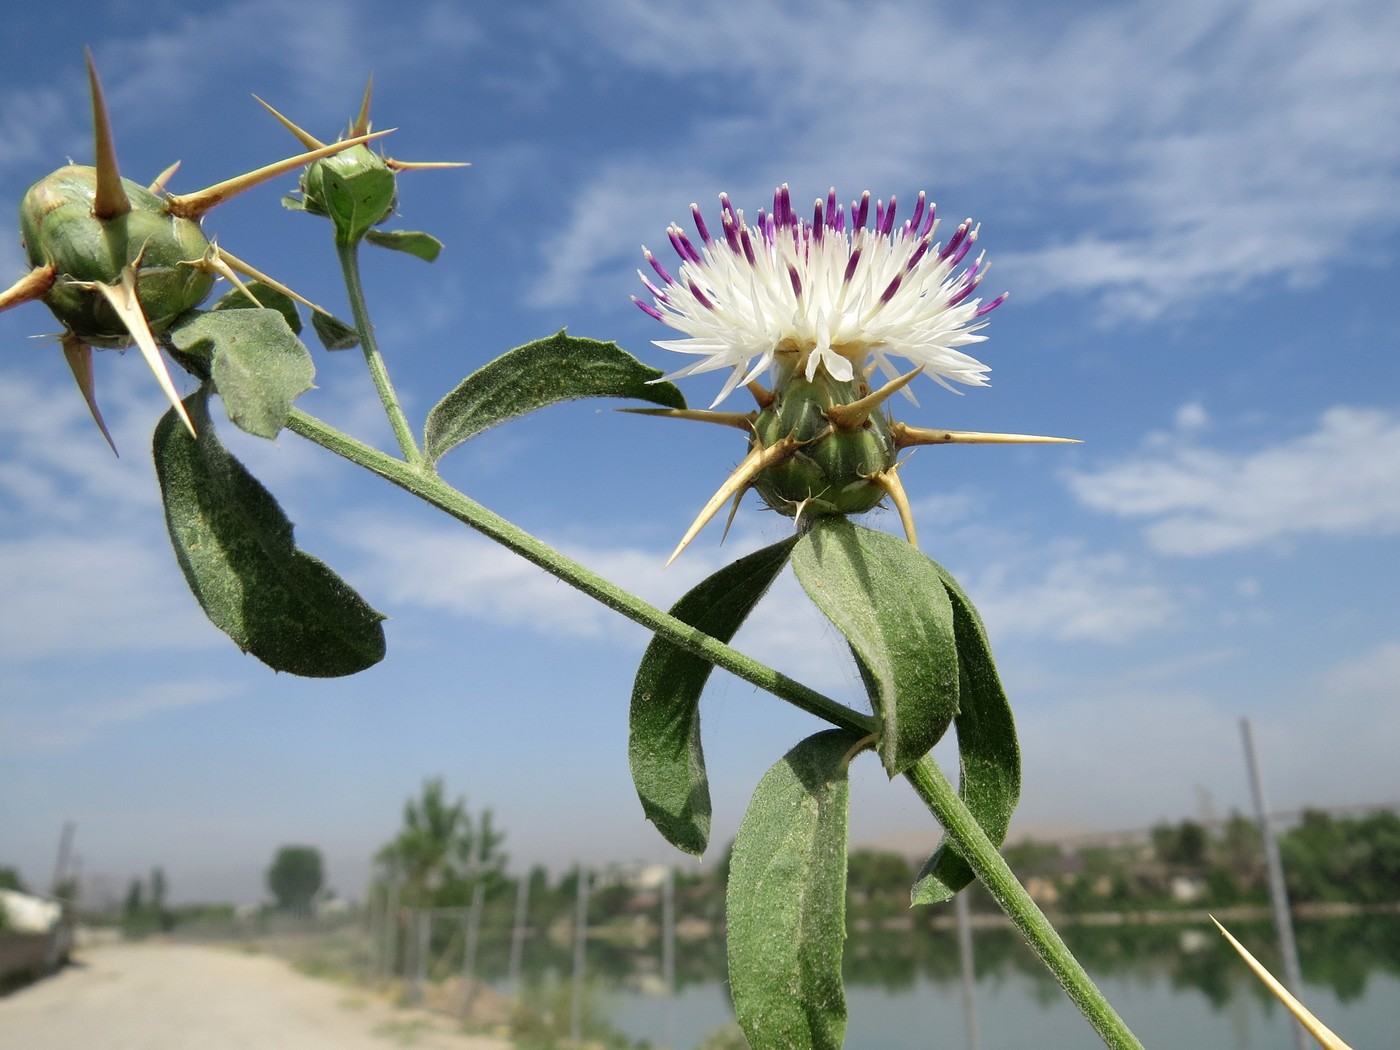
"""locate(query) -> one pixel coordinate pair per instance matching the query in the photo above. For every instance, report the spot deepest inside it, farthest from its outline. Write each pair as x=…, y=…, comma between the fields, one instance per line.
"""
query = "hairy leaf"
x=786, y=901
x=668, y=763
x=268, y=298
x=890, y=603
x=413, y=242
x=989, y=757
x=258, y=364
x=236, y=550
x=545, y=372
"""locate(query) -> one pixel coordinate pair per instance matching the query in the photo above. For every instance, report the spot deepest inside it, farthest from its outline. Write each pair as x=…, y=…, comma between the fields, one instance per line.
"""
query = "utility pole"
x=1278, y=888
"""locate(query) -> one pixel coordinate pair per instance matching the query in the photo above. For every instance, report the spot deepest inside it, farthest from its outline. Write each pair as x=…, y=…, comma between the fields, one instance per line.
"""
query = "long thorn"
x=423, y=165
x=742, y=420
x=760, y=393
x=361, y=125
x=744, y=473
x=79, y=357
x=907, y=436
x=233, y=262
x=159, y=184
x=303, y=136
x=193, y=205
x=1319, y=1031
x=123, y=300
x=33, y=285
x=854, y=415
x=109, y=200
x=214, y=262
x=889, y=481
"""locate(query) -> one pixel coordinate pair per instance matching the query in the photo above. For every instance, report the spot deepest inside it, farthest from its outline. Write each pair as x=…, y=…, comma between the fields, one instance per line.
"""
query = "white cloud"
x=1337, y=480
x=1162, y=144
x=1071, y=597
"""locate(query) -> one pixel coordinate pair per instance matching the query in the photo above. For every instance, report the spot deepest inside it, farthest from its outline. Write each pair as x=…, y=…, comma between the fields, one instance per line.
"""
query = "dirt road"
x=186, y=997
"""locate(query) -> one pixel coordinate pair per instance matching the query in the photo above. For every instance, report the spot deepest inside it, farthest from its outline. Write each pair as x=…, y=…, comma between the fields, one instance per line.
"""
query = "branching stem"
x=927, y=779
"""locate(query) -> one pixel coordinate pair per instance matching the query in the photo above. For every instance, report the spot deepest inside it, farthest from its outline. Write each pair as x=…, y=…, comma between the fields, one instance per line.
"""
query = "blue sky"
x=1196, y=209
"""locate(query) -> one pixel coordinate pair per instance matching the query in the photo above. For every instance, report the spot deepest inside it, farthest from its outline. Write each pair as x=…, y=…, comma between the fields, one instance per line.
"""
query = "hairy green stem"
x=927, y=779
x=349, y=255
x=432, y=489
x=983, y=857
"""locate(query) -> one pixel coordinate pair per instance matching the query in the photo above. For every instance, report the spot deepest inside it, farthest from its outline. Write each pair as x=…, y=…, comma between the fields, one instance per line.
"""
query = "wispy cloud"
x=65, y=726
x=1155, y=148
x=1339, y=479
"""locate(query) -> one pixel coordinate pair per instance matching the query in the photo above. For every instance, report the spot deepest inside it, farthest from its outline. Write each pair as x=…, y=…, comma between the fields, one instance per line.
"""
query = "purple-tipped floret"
x=987, y=308
x=700, y=296
x=660, y=270
x=648, y=309
x=700, y=223
x=859, y=213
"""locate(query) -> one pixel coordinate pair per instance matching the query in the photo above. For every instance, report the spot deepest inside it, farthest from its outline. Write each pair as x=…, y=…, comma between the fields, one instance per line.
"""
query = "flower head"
x=825, y=295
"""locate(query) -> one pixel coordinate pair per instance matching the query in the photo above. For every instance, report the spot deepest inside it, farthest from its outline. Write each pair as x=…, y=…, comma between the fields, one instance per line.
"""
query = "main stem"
x=928, y=780
x=981, y=854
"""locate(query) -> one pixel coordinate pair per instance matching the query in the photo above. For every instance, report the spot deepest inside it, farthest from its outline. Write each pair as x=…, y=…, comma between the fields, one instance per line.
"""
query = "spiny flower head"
x=825, y=295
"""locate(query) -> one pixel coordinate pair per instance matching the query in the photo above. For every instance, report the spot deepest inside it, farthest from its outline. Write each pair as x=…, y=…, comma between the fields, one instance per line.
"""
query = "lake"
x=1177, y=986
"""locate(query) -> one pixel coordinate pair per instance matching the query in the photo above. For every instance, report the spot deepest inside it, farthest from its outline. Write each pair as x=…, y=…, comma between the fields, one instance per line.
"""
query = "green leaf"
x=890, y=603
x=259, y=365
x=545, y=372
x=786, y=902
x=423, y=245
x=988, y=754
x=334, y=333
x=668, y=763
x=236, y=550
x=268, y=298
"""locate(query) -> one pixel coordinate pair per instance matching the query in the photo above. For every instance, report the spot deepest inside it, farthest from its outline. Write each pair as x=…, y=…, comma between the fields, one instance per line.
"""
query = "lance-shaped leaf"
x=545, y=372
x=989, y=758
x=257, y=363
x=668, y=763
x=786, y=901
x=236, y=550
x=890, y=603
x=412, y=242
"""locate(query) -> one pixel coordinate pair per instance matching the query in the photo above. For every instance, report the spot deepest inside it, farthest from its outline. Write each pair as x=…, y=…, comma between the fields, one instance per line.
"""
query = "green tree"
x=295, y=877
x=442, y=850
x=10, y=880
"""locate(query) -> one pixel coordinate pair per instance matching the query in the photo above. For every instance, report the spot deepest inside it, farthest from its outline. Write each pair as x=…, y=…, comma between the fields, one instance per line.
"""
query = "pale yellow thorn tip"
x=905, y=436
x=889, y=481
x=307, y=139
x=214, y=261
x=109, y=198
x=854, y=415
x=159, y=184
x=361, y=125
x=33, y=285
x=123, y=300
x=194, y=205
x=744, y=473
x=79, y=357
x=1325, y=1037
x=423, y=165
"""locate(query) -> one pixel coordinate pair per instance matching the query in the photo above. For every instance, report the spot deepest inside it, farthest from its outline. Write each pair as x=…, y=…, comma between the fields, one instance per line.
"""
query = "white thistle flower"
x=801, y=296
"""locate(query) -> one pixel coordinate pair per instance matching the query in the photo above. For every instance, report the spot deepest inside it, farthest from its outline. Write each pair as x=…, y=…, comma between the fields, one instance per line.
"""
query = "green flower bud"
x=59, y=228
x=832, y=471
x=355, y=189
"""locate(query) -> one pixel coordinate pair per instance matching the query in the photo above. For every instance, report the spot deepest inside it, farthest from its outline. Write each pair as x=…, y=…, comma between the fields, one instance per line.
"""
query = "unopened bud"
x=59, y=229
x=832, y=471
x=355, y=189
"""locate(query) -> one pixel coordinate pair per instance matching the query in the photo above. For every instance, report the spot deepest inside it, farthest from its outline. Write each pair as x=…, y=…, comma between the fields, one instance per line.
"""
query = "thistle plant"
x=802, y=313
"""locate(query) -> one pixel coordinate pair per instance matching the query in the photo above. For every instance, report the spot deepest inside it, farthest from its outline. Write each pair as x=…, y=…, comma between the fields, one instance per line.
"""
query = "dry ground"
x=184, y=997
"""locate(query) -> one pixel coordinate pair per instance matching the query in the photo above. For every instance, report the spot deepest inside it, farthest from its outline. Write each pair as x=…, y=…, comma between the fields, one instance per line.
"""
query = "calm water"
x=1176, y=987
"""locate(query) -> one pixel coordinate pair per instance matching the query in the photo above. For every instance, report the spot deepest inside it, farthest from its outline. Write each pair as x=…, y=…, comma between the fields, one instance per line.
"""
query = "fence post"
x=580, y=940
x=517, y=934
